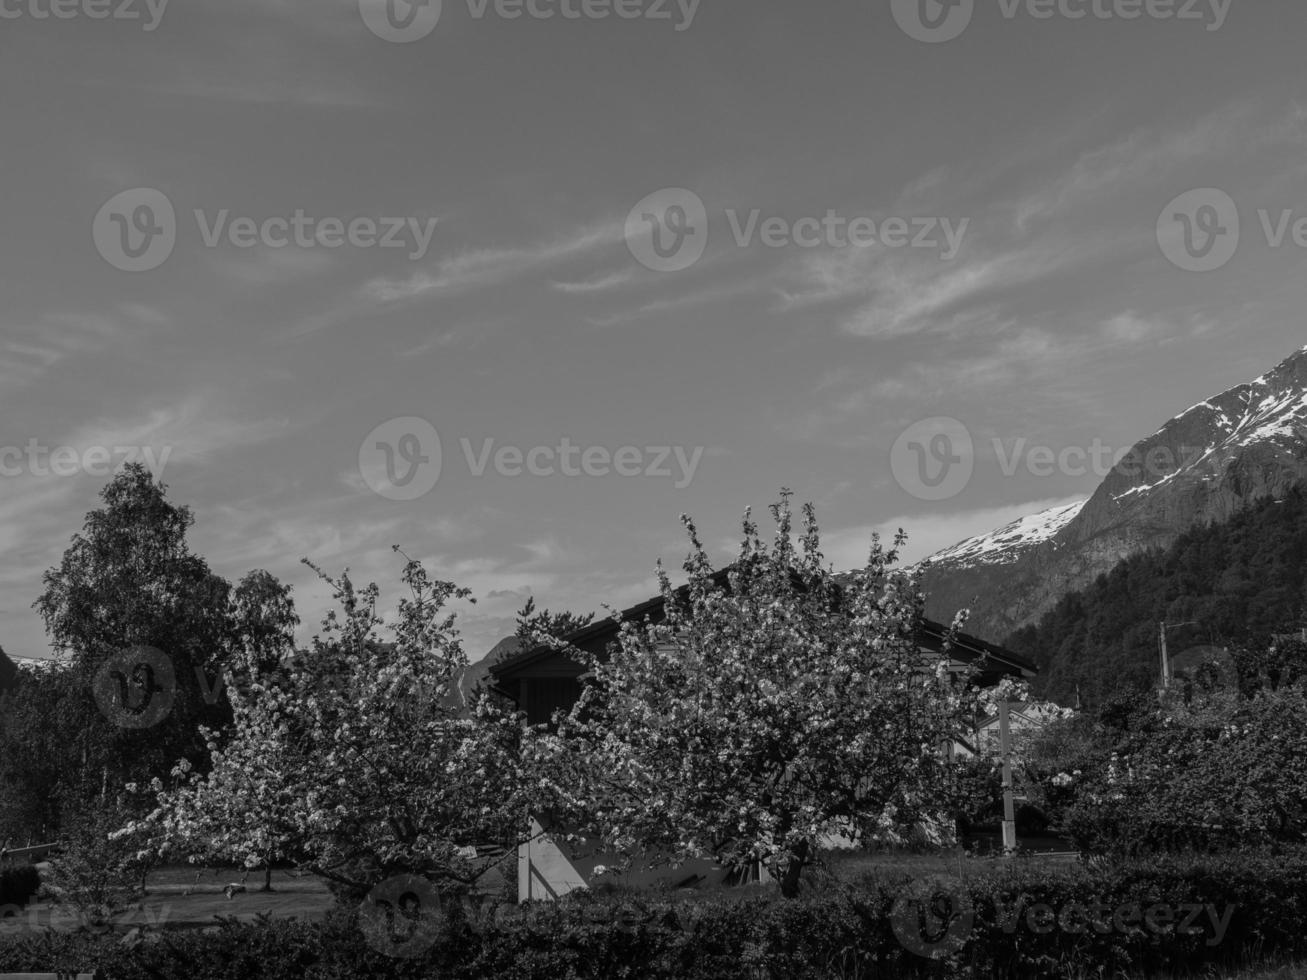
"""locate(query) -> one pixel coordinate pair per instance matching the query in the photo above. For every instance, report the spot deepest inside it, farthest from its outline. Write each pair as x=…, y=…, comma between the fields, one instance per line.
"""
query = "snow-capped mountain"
x=1204, y=465
x=1010, y=542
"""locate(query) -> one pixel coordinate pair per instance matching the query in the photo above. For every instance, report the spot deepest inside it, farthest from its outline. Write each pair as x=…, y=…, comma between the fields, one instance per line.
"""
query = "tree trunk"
x=790, y=880
x=267, y=877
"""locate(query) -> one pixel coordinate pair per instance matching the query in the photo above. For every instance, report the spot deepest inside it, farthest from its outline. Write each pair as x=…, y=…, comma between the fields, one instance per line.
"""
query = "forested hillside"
x=1236, y=581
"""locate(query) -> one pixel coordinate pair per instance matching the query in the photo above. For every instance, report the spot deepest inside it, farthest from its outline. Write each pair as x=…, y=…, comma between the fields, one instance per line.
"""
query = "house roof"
x=511, y=657
x=1036, y=713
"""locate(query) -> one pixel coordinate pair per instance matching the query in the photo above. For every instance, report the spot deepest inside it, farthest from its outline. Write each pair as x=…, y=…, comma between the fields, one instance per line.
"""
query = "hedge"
x=837, y=930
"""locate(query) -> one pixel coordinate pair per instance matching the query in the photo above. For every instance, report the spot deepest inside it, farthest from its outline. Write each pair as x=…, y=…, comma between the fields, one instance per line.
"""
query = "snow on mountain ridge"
x=1005, y=545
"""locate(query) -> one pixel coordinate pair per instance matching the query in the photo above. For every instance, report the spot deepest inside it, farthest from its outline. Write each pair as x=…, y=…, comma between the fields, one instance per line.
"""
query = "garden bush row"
x=839, y=929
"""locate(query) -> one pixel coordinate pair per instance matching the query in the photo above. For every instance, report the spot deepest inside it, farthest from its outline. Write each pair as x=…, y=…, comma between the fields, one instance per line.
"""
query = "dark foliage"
x=1240, y=583
x=835, y=930
x=18, y=884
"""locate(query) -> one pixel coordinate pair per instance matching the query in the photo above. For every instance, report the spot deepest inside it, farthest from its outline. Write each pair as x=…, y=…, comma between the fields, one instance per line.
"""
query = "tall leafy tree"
x=129, y=580
x=263, y=620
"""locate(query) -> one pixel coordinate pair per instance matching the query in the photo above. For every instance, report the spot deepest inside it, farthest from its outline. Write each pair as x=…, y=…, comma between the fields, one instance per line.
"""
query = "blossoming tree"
x=358, y=759
x=768, y=713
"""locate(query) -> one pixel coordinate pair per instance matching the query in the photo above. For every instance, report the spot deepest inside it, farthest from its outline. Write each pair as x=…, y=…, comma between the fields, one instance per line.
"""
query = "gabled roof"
x=595, y=638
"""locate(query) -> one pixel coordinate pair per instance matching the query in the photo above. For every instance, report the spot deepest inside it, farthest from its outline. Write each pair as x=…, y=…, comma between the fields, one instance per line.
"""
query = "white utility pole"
x=1009, y=806
x=1166, y=662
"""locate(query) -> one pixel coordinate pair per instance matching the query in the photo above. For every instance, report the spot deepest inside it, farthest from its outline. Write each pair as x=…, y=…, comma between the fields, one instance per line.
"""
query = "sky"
x=619, y=269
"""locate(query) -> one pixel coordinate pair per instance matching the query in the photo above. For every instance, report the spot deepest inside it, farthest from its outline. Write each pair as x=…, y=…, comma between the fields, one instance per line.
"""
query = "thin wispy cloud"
x=490, y=267
x=1148, y=156
x=196, y=428
x=30, y=350
x=599, y=284
x=677, y=303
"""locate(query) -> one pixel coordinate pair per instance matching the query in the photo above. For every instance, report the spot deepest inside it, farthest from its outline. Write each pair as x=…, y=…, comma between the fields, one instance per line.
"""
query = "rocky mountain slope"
x=1207, y=464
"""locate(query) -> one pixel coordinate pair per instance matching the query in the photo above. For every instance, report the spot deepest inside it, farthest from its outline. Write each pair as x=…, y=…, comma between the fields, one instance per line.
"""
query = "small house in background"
x=1025, y=719
x=542, y=680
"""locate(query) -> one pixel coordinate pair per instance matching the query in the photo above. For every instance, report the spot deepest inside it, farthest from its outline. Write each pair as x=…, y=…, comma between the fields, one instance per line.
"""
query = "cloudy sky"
x=514, y=304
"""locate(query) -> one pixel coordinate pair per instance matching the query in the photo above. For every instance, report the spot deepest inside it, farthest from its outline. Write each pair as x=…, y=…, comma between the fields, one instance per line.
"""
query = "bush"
x=1221, y=772
x=97, y=872
x=837, y=929
x=18, y=884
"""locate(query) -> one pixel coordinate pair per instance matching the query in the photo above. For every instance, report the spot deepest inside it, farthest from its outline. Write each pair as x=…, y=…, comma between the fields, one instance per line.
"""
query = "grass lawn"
x=174, y=899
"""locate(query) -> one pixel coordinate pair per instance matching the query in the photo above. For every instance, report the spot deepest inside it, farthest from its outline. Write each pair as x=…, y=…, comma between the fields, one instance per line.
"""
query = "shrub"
x=1222, y=773
x=97, y=872
x=838, y=929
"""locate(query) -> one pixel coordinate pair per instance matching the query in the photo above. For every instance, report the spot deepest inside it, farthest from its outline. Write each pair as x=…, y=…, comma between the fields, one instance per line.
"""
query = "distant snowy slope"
x=1010, y=542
